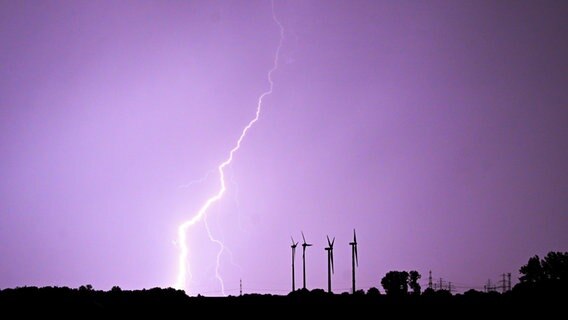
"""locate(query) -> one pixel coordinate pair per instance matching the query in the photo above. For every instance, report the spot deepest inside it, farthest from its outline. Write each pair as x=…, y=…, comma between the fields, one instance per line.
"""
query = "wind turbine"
x=354, y=258
x=304, y=245
x=329, y=262
x=293, y=246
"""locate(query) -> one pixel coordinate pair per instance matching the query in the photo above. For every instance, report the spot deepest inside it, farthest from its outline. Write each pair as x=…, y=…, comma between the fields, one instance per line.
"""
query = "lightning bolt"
x=183, y=264
x=196, y=181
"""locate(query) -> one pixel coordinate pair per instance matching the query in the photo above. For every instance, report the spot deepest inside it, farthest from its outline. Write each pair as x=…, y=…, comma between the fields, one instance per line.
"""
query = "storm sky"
x=437, y=129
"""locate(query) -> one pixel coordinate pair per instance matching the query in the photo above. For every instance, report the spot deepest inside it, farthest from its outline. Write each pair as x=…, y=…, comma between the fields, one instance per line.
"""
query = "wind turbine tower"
x=330, y=270
x=304, y=246
x=354, y=257
x=293, y=246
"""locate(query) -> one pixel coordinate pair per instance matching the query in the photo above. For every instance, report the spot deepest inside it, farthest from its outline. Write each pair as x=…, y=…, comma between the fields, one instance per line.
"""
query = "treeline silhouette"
x=542, y=288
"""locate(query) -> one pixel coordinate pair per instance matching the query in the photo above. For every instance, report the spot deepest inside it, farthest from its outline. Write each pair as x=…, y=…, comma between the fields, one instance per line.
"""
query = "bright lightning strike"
x=183, y=265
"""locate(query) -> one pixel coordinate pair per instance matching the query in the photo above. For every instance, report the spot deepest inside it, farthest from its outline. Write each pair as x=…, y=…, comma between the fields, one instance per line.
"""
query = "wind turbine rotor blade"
x=303, y=237
x=332, y=270
x=332, y=242
x=292, y=240
x=356, y=257
x=354, y=237
x=328, y=242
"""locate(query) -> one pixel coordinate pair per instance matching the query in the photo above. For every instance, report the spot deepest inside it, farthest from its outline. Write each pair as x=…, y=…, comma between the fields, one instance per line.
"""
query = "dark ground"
x=86, y=301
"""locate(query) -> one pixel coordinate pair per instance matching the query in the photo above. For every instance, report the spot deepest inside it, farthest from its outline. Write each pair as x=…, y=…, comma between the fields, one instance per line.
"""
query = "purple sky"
x=436, y=128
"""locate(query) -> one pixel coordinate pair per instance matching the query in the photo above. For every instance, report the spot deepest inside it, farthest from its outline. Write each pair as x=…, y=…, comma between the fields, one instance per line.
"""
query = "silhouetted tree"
x=373, y=292
x=554, y=267
x=413, y=282
x=86, y=288
x=359, y=293
x=532, y=272
x=395, y=283
x=429, y=292
x=318, y=291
